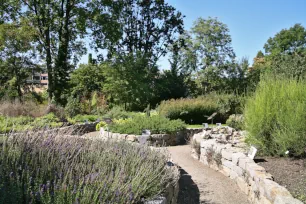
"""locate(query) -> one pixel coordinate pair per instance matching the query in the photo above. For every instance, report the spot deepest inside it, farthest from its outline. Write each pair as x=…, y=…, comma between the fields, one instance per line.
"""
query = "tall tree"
x=61, y=26
x=212, y=42
x=215, y=55
x=287, y=41
x=146, y=26
x=286, y=52
x=143, y=32
x=17, y=56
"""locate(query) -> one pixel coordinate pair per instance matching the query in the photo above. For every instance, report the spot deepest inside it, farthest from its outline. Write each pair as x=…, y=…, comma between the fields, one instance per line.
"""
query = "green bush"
x=49, y=120
x=116, y=113
x=236, y=121
x=197, y=110
x=275, y=116
x=156, y=124
x=83, y=118
x=73, y=107
x=8, y=124
x=22, y=123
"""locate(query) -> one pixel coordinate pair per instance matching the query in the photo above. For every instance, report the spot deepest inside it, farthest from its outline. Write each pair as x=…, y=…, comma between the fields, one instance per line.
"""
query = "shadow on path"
x=188, y=191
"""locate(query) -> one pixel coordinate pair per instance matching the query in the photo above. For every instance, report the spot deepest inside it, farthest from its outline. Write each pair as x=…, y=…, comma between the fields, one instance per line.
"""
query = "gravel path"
x=200, y=184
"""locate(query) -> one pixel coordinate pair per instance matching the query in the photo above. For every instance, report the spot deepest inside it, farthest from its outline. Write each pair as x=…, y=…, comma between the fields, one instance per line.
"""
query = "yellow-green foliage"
x=100, y=125
x=22, y=123
x=196, y=110
x=275, y=116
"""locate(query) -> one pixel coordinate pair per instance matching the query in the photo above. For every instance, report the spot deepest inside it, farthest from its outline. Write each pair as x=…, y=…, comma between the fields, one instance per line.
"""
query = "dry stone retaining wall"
x=155, y=139
x=223, y=150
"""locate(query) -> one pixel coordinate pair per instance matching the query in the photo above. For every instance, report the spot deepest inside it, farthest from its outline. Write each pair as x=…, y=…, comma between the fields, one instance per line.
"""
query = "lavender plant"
x=44, y=167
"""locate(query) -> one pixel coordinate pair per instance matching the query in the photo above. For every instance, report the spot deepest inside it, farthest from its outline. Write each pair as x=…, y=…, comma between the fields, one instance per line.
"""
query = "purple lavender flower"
x=131, y=196
x=77, y=201
x=117, y=193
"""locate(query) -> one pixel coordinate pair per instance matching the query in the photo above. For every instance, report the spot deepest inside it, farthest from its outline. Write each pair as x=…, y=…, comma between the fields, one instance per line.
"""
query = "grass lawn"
x=201, y=126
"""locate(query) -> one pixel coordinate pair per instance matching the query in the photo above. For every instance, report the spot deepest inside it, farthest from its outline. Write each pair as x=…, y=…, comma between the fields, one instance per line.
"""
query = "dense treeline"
x=129, y=38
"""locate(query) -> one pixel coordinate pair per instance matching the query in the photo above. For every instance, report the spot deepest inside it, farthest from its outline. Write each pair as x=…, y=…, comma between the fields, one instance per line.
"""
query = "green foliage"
x=83, y=118
x=45, y=168
x=287, y=41
x=87, y=79
x=100, y=125
x=286, y=52
x=129, y=81
x=16, y=57
x=212, y=42
x=117, y=112
x=73, y=107
x=156, y=124
x=23, y=123
x=49, y=120
x=236, y=121
x=197, y=110
x=275, y=116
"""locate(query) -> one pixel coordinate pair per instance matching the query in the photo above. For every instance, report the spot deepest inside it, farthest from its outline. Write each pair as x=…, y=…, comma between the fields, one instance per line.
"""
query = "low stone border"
x=155, y=139
x=230, y=159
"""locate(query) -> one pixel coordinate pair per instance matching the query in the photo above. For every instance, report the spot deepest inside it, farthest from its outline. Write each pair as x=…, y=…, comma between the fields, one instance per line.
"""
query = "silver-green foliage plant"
x=236, y=121
x=275, y=116
x=44, y=167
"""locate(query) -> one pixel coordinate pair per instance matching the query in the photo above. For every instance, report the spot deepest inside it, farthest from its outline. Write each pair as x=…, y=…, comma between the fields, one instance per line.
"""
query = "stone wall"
x=223, y=150
x=155, y=139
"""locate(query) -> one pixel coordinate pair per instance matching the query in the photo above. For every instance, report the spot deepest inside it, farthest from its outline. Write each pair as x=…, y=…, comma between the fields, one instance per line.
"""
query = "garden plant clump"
x=197, y=110
x=155, y=123
x=275, y=116
x=22, y=123
x=47, y=168
x=236, y=121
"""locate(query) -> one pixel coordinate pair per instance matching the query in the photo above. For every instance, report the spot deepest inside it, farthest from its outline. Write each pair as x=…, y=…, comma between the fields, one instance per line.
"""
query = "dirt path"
x=200, y=184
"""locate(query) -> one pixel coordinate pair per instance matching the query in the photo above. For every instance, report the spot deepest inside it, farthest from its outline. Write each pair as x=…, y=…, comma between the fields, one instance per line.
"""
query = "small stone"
x=227, y=163
x=272, y=190
x=244, y=187
x=238, y=170
x=225, y=171
x=233, y=174
x=286, y=200
x=243, y=161
x=227, y=154
x=237, y=156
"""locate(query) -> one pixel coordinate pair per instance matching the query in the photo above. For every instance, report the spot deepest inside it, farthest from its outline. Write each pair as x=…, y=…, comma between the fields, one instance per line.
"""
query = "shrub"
x=100, y=125
x=275, y=116
x=196, y=146
x=73, y=107
x=49, y=120
x=236, y=121
x=46, y=168
x=22, y=123
x=197, y=110
x=83, y=118
x=8, y=124
x=117, y=113
x=156, y=124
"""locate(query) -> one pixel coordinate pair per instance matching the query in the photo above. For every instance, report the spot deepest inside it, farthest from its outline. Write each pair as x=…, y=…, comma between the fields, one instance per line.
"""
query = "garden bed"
x=49, y=168
x=288, y=172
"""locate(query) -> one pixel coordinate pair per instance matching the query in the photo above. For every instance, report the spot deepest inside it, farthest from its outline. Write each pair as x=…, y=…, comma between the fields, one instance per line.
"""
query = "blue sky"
x=251, y=22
